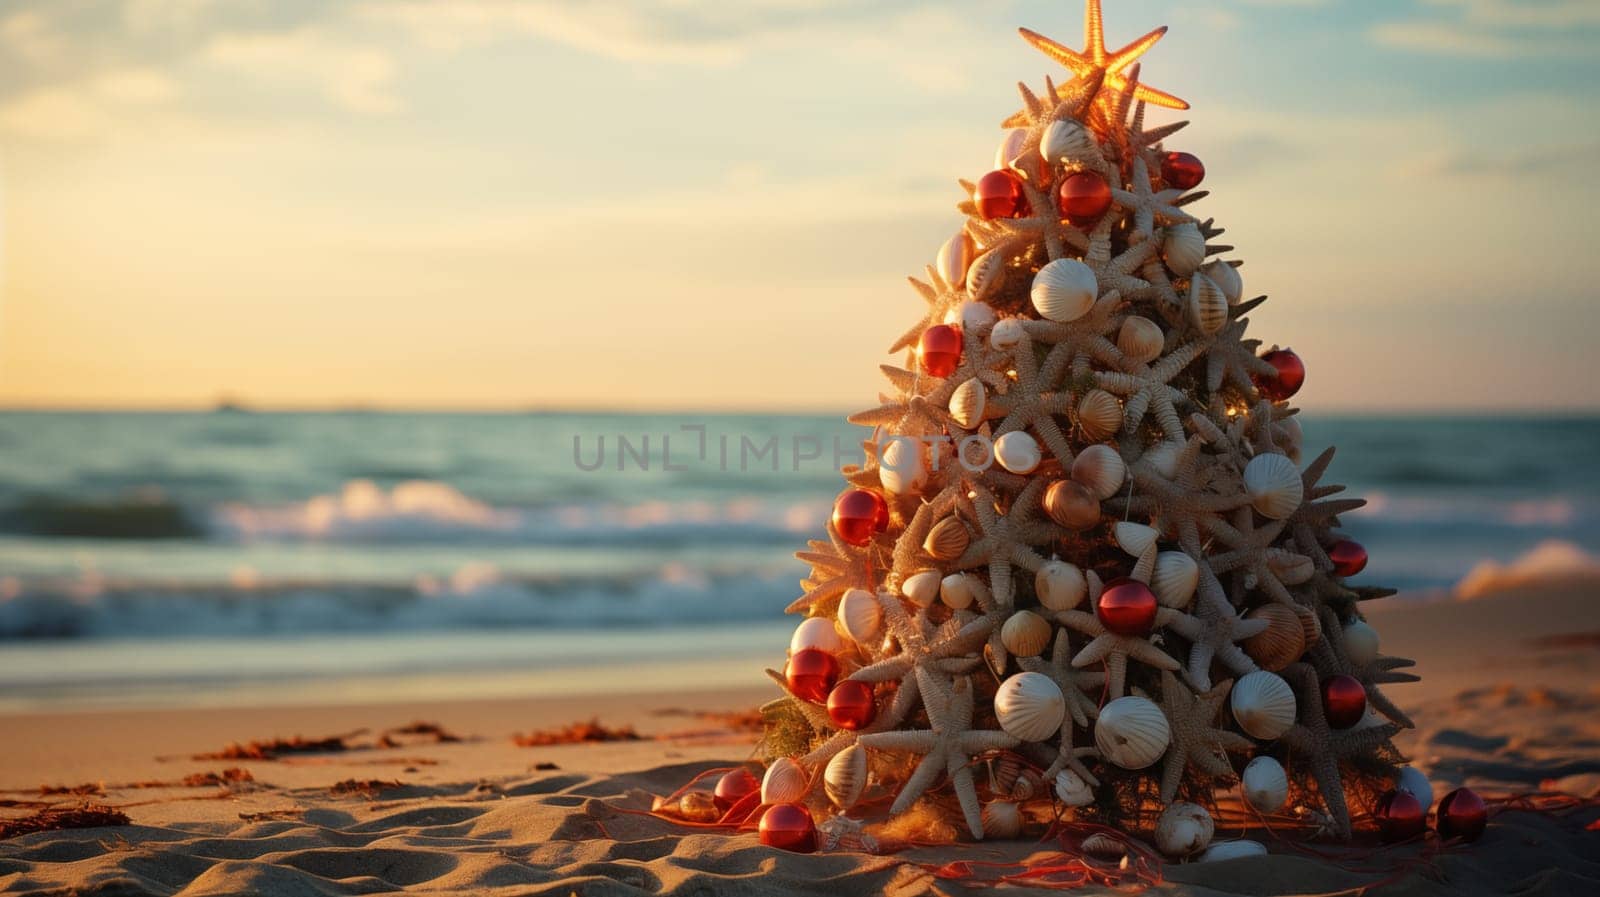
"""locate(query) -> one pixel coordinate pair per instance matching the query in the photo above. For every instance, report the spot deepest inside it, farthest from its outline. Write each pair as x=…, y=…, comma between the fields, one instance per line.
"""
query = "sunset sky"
x=701, y=204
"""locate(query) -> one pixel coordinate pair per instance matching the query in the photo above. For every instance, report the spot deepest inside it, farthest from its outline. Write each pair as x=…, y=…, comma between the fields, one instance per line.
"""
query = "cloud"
x=1527, y=162
x=1526, y=13
x=1497, y=29
x=85, y=111
x=355, y=77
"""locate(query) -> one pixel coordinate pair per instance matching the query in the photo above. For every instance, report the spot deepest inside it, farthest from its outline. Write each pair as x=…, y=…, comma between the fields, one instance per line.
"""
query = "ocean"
x=237, y=558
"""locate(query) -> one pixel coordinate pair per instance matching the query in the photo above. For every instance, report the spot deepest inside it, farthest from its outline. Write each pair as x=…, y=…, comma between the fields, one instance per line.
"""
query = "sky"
x=695, y=204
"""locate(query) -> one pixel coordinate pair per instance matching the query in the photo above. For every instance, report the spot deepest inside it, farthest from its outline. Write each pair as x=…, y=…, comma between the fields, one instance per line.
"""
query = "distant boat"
x=229, y=405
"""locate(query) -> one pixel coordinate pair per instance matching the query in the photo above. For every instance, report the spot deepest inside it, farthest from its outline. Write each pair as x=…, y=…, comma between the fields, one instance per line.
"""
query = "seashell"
x=1412, y=781
x=1227, y=279
x=1073, y=790
x=1066, y=139
x=1030, y=706
x=1001, y=819
x=785, y=782
x=1104, y=847
x=947, y=539
x=1008, y=333
x=954, y=258
x=1274, y=485
x=1071, y=504
x=1292, y=569
x=860, y=615
x=1174, y=579
x=921, y=588
x=903, y=467
x=1132, y=732
x=699, y=806
x=986, y=275
x=1064, y=290
x=1183, y=248
x=1183, y=829
x=1136, y=538
x=1265, y=784
x=816, y=632
x=1232, y=850
x=845, y=776
x=1141, y=339
x=1360, y=642
x=1208, y=308
x=1163, y=458
x=1017, y=452
x=967, y=403
x=1060, y=585
x=1312, y=624
x=975, y=316
x=1101, y=469
x=1010, y=778
x=1026, y=634
x=1281, y=643
x=958, y=590
x=1099, y=415
x=1287, y=433
x=1263, y=704
x=1012, y=146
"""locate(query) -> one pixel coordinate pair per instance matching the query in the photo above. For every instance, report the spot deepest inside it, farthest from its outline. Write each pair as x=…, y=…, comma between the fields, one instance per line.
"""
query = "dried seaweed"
x=56, y=819
x=272, y=749
x=363, y=787
x=576, y=733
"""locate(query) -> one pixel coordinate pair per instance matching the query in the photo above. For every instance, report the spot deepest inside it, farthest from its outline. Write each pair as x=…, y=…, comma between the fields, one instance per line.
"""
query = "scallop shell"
x=958, y=590
x=1208, y=308
x=1265, y=784
x=1017, y=452
x=1183, y=829
x=954, y=257
x=845, y=776
x=1232, y=850
x=1066, y=139
x=1263, y=704
x=1060, y=585
x=1412, y=781
x=1360, y=642
x=1136, y=538
x=1183, y=247
x=967, y=402
x=1064, y=290
x=1132, y=732
x=1026, y=634
x=1101, y=469
x=1012, y=146
x=1227, y=279
x=860, y=615
x=903, y=466
x=1163, y=458
x=947, y=540
x=1141, y=339
x=1175, y=578
x=977, y=317
x=816, y=632
x=1073, y=790
x=1011, y=778
x=785, y=782
x=1030, y=706
x=1274, y=485
x=1281, y=643
x=1001, y=819
x=1292, y=569
x=1071, y=504
x=1099, y=415
x=986, y=275
x=921, y=588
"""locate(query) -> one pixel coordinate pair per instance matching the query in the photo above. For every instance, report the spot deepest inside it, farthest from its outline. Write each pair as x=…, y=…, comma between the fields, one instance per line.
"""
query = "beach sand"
x=1510, y=703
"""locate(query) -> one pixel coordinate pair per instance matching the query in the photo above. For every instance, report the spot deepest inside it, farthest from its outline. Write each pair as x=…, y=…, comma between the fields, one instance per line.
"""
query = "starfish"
x=942, y=298
x=1196, y=740
x=1083, y=338
x=1313, y=742
x=1115, y=272
x=1030, y=405
x=1138, y=139
x=1230, y=358
x=1215, y=631
x=915, y=413
x=1003, y=541
x=1252, y=554
x=836, y=568
x=1313, y=519
x=1114, y=650
x=1330, y=657
x=1147, y=388
x=950, y=648
x=1080, y=707
x=1147, y=205
x=947, y=745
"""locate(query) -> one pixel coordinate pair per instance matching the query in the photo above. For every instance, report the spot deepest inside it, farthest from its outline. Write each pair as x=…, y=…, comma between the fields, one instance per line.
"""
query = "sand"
x=1510, y=703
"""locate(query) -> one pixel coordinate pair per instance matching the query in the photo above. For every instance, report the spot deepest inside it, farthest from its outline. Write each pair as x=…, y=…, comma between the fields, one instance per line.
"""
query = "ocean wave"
x=1546, y=511
x=1548, y=563
x=141, y=514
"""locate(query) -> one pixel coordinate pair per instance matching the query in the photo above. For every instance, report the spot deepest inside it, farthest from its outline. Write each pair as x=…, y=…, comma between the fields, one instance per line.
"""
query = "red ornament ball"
x=851, y=705
x=1085, y=197
x=859, y=514
x=789, y=827
x=811, y=673
x=940, y=350
x=1400, y=817
x=999, y=195
x=1127, y=607
x=1182, y=170
x=1291, y=375
x=1463, y=815
x=1348, y=557
x=734, y=786
x=1344, y=701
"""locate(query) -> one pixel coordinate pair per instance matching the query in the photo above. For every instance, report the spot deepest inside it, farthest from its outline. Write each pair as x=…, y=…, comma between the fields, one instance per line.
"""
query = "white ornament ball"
x=1183, y=829
x=1007, y=334
x=922, y=589
x=1060, y=585
x=1412, y=781
x=816, y=632
x=1132, y=732
x=958, y=590
x=1030, y=706
x=1360, y=642
x=1265, y=784
x=1018, y=452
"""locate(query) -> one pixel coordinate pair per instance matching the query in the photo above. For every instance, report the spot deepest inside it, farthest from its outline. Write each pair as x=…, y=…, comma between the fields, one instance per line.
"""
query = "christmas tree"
x=1081, y=571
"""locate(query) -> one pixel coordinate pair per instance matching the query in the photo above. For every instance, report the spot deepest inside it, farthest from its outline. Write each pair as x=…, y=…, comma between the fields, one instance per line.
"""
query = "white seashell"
x=1208, y=308
x=1292, y=569
x=921, y=588
x=1136, y=538
x=967, y=402
x=860, y=615
x=1360, y=642
x=1263, y=704
x=975, y=316
x=1012, y=146
x=958, y=590
x=845, y=776
x=1265, y=784
x=1183, y=247
x=903, y=468
x=1030, y=706
x=1232, y=850
x=1017, y=452
x=1099, y=414
x=1287, y=433
x=954, y=258
x=1026, y=634
x=1001, y=819
x=1100, y=468
x=1183, y=829
x=947, y=540
x=1175, y=578
x=817, y=632
x=785, y=782
x=1007, y=334
x=1412, y=781
x=1072, y=789
x=1066, y=139
x=1274, y=485
x=1064, y=290
x=1141, y=339
x=1227, y=279
x=986, y=275
x=1163, y=458
x=1060, y=585
x=1132, y=732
